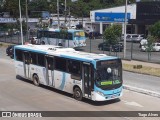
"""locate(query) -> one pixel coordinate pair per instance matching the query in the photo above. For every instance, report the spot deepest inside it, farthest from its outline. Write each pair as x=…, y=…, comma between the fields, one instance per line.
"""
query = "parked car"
x=155, y=47
x=137, y=38
x=143, y=42
x=10, y=51
x=116, y=48
x=133, y=37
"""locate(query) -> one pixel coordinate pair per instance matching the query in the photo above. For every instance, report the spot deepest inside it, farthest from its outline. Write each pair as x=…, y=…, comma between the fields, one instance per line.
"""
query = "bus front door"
x=26, y=62
x=49, y=73
x=86, y=76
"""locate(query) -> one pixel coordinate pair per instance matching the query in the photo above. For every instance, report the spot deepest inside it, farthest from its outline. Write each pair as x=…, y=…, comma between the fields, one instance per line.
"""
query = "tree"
x=155, y=30
x=149, y=45
x=112, y=34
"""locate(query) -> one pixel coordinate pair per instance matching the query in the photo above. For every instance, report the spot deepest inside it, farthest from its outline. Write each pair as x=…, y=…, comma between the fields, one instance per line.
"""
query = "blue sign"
x=110, y=17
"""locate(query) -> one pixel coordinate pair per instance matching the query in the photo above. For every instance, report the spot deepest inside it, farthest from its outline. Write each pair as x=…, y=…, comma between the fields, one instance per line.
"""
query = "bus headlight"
x=100, y=93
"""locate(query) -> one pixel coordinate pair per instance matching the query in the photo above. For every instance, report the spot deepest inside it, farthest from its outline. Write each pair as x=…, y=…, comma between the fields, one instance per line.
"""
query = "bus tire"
x=36, y=80
x=78, y=94
x=59, y=44
x=43, y=43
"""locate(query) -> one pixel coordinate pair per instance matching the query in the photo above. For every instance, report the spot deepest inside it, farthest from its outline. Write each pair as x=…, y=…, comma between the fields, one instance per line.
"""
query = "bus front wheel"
x=78, y=94
x=36, y=80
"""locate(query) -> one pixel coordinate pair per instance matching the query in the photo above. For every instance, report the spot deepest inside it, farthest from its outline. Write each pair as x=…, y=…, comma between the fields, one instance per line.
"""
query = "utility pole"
x=58, y=13
x=20, y=20
x=65, y=10
x=69, y=18
x=27, y=19
x=125, y=22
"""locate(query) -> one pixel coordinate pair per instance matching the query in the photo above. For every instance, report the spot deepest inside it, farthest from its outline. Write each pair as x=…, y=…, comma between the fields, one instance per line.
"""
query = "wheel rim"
x=77, y=94
x=36, y=81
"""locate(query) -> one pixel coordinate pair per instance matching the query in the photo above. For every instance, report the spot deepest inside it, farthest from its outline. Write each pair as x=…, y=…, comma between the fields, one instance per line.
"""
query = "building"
x=100, y=19
x=148, y=13
x=139, y=17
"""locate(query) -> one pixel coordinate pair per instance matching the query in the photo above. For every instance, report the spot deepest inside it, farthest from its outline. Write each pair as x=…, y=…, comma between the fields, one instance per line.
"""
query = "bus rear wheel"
x=60, y=44
x=36, y=80
x=42, y=43
x=78, y=94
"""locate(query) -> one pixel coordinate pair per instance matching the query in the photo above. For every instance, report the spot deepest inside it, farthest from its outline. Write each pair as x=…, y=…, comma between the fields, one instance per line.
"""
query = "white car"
x=133, y=37
x=143, y=42
x=155, y=47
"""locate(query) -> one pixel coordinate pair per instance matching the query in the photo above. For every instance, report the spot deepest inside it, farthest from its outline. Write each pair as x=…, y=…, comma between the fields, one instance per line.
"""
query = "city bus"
x=71, y=38
x=97, y=77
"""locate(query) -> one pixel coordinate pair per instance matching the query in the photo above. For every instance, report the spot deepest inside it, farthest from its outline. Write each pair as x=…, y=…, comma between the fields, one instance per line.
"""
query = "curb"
x=143, y=91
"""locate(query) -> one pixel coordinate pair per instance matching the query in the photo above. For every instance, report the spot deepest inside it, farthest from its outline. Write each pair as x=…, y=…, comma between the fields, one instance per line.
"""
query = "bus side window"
x=19, y=55
x=60, y=64
x=74, y=69
x=41, y=61
x=70, y=36
x=50, y=63
x=33, y=58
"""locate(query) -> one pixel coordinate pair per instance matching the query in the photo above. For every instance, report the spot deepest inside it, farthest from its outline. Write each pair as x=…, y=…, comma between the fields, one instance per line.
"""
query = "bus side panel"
x=69, y=43
x=46, y=40
x=64, y=82
x=53, y=41
x=19, y=68
x=68, y=83
x=41, y=72
x=60, y=79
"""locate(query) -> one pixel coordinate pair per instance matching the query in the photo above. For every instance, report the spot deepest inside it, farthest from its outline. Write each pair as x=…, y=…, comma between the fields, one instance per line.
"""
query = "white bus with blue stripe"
x=85, y=75
x=71, y=38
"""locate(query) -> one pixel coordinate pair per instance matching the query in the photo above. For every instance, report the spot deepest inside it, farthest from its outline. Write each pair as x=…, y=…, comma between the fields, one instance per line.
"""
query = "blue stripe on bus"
x=108, y=92
x=61, y=87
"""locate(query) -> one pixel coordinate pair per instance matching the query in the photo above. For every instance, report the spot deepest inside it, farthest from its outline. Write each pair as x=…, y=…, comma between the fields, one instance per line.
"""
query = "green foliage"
x=79, y=8
x=112, y=33
x=149, y=45
x=155, y=30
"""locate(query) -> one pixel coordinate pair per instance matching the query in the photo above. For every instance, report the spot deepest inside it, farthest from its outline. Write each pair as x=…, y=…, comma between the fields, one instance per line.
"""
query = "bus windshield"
x=108, y=73
x=79, y=34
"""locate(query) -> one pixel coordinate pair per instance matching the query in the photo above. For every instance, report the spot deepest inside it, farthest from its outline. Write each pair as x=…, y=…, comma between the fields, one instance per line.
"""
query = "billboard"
x=110, y=17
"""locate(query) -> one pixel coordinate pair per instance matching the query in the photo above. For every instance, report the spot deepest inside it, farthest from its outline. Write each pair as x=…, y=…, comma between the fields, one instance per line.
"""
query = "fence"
x=15, y=38
x=133, y=51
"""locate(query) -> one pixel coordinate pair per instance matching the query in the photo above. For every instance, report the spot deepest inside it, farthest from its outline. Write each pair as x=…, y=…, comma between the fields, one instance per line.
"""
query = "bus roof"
x=57, y=30
x=64, y=52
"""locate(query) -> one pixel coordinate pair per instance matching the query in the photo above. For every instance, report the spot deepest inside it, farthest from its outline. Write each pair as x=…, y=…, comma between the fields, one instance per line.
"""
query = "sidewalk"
x=140, y=89
x=147, y=64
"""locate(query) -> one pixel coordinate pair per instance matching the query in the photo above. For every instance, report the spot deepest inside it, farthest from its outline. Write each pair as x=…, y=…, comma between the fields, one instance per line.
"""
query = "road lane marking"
x=132, y=103
x=141, y=90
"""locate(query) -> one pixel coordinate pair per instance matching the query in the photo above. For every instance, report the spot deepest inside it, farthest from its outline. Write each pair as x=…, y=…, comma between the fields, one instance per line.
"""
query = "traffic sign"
x=110, y=17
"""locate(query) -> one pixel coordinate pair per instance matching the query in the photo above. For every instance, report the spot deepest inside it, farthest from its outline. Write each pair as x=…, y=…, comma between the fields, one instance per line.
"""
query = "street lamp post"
x=27, y=19
x=20, y=20
x=58, y=13
x=65, y=10
x=125, y=21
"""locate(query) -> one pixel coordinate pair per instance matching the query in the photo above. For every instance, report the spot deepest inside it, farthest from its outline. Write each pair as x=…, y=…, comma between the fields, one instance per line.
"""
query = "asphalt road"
x=22, y=95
